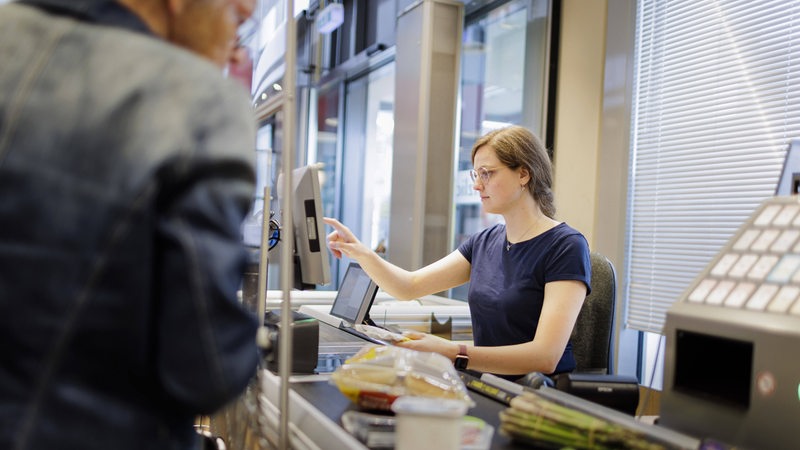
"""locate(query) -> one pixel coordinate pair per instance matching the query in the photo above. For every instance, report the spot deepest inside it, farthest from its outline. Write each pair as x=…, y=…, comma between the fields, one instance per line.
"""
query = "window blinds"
x=716, y=102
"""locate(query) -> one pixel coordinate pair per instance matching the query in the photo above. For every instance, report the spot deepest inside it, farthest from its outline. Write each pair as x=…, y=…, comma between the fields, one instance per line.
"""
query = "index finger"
x=338, y=226
x=332, y=222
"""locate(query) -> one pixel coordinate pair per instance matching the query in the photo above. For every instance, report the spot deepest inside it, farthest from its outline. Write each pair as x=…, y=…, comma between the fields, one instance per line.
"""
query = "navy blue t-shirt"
x=506, y=288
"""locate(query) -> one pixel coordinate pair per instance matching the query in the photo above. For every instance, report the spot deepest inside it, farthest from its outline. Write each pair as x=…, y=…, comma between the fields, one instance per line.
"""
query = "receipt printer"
x=620, y=392
x=305, y=342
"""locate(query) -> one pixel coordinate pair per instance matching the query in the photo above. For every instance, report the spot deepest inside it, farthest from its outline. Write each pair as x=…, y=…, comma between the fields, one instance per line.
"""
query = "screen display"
x=355, y=295
x=716, y=368
x=789, y=181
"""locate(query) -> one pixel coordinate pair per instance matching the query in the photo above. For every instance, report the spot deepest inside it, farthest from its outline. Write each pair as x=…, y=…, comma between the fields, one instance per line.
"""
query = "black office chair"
x=593, y=346
x=593, y=335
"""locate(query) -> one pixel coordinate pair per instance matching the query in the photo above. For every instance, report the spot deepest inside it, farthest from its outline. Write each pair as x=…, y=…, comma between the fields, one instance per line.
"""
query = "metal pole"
x=261, y=308
x=263, y=336
x=287, y=272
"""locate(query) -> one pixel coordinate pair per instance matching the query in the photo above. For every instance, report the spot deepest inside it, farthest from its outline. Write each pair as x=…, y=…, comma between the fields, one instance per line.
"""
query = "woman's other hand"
x=425, y=342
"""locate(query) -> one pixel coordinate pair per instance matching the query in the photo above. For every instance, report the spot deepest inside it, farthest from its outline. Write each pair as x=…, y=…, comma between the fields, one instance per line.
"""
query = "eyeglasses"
x=483, y=173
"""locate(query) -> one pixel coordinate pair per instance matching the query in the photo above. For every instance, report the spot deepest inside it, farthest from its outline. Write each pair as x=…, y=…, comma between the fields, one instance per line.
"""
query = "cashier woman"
x=527, y=277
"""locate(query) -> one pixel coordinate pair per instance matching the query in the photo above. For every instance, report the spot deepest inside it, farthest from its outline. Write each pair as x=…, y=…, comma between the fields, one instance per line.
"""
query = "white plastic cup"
x=426, y=422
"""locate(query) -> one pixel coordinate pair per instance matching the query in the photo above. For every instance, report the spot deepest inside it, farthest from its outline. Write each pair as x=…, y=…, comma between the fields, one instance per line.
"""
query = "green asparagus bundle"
x=534, y=419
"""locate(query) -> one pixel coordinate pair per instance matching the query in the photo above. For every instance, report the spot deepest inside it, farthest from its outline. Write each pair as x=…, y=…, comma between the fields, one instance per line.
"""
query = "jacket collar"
x=101, y=12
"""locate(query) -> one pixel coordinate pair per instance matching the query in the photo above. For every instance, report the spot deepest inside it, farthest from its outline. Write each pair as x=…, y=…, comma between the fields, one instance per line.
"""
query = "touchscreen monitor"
x=355, y=296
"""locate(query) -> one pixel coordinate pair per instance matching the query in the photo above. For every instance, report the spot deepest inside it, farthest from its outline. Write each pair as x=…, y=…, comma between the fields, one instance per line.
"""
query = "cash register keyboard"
x=759, y=269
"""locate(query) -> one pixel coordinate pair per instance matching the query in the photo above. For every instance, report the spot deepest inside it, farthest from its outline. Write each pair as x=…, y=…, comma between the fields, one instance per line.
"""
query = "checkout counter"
x=316, y=406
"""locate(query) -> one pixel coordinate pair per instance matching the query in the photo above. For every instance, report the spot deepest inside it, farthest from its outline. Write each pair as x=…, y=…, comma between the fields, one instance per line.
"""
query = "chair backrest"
x=592, y=337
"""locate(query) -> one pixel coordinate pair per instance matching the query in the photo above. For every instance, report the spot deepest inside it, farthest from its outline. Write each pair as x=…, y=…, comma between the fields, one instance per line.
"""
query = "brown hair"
x=516, y=147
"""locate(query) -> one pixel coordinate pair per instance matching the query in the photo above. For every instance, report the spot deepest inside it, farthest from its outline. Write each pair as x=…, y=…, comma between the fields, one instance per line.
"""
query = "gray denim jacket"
x=125, y=172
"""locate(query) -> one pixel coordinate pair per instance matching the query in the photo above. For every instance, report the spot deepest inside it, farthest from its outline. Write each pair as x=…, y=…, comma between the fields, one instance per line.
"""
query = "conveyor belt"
x=333, y=404
x=327, y=399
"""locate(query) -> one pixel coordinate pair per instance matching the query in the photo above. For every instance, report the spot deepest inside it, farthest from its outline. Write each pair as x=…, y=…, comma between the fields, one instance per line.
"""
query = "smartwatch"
x=462, y=359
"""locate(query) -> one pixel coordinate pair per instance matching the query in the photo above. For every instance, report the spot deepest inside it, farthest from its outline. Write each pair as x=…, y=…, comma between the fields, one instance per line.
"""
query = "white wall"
x=592, y=137
x=578, y=113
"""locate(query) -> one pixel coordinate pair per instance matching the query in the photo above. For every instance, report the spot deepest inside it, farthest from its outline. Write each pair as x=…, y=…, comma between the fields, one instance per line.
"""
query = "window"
x=715, y=105
x=353, y=139
x=503, y=80
x=367, y=156
x=378, y=132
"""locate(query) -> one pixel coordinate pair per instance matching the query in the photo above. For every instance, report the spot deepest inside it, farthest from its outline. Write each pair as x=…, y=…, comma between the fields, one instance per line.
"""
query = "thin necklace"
x=509, y=244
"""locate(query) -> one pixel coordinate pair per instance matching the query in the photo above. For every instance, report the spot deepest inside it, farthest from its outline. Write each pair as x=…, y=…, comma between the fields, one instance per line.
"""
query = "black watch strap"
x=462, y=359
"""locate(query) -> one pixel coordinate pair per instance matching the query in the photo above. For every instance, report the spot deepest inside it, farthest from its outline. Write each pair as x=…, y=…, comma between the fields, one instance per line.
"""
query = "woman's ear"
x=524, y=176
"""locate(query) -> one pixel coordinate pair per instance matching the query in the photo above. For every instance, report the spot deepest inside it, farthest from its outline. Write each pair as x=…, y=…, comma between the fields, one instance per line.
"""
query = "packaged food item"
x=428, y=422
x=377, y=375
x=377, y=431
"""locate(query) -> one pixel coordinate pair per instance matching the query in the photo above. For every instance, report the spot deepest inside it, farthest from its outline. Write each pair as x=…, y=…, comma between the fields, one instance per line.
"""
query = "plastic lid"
x=429, y=406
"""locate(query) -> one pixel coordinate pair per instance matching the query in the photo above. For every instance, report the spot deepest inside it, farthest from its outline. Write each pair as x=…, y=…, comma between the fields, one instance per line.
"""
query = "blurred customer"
x=125, y=172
